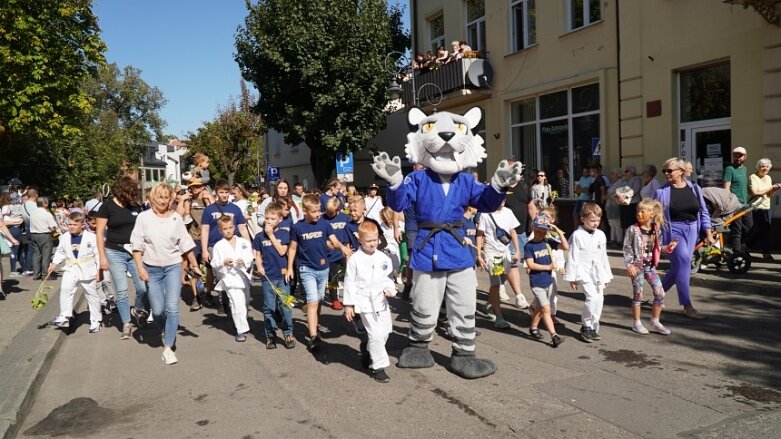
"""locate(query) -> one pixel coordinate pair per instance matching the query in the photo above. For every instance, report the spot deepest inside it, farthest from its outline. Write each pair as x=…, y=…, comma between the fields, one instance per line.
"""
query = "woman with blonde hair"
x=761, y=185
x=687, y=218
x=159, y=239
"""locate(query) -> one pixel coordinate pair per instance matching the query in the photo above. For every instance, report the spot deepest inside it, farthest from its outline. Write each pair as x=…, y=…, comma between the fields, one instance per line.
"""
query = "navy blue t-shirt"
x=212, y=214
x=324, y=198
x=76, y=245
x=311, y=239
x=538, y=251
x=274, y=264
x=352, y=235
x=410, y=221
x=339, y=224
x=286, y=224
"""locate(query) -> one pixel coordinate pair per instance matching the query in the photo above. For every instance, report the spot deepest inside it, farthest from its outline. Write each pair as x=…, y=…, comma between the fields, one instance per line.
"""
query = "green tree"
x=232, y=140
x=47, y=48
x=319, y=67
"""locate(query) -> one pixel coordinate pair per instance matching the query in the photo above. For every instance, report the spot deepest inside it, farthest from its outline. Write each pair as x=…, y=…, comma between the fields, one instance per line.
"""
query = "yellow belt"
x=80, y=261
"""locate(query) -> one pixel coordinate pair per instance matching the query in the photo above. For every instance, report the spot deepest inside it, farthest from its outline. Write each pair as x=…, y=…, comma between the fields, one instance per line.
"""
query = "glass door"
x=711, y=147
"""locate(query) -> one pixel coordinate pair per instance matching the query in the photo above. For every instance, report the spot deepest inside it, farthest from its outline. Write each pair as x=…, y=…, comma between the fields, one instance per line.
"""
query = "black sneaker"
x=380, y=376
x=314, y=344
x=534, y=332
x=556, y=340
x=585, y=335
x=595, y=335
x=140, y=316
x=405, y=293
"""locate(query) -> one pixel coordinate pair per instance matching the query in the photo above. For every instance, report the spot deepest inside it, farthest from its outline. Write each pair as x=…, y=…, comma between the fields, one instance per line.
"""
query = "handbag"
x=5, y=245
x=502, y=235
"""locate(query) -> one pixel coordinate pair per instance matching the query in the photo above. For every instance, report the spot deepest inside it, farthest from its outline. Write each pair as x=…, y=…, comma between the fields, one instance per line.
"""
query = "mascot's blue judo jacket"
x=423, y=190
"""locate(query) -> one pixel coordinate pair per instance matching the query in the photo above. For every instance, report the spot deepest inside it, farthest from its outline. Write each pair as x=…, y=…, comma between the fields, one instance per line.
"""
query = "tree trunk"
x=323, y=163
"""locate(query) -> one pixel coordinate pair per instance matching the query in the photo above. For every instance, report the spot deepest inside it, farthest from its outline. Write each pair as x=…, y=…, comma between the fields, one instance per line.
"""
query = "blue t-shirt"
x=76, y=245
x=585, y=185
x=274, y=264
x=352, y=235
x=410, y=221
x=311, y=239
x=324, y=198
x=286, y=224
x=339, y=224
x=212, y=214
x=539, y=252
x=470, y=230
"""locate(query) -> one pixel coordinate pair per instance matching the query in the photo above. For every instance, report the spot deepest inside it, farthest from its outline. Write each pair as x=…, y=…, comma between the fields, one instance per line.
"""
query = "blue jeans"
x=119, y=263
x=314, y=282
x=16, y=232
x=271, y=301
x=165, y=287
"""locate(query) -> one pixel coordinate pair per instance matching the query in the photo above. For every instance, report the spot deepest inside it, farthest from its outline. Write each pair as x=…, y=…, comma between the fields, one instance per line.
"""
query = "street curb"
x=24, y=365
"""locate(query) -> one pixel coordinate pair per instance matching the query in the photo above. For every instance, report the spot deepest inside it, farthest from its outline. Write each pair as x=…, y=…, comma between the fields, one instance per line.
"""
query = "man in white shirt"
x=374, y=204
x=42, y=224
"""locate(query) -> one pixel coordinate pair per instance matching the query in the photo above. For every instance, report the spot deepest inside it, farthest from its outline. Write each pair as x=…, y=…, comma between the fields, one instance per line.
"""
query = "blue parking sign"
x=344, y=163
x=273, y=173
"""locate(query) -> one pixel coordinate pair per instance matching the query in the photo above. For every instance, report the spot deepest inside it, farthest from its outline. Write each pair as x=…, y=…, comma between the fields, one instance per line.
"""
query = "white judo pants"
x=592, y=306
x=68, y=286
x=378, y=327
x=239, y=300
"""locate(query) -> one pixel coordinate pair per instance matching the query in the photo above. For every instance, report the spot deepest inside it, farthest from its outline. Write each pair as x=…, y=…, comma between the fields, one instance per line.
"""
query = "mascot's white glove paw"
x=388, y=169
x=506, y=175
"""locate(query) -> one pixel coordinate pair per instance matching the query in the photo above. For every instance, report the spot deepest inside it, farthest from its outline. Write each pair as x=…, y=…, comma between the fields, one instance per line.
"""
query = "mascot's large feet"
x=416, y=356
x=466, y=365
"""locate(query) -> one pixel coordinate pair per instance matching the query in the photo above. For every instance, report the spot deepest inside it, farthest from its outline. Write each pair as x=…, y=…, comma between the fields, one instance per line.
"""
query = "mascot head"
x=444, y=142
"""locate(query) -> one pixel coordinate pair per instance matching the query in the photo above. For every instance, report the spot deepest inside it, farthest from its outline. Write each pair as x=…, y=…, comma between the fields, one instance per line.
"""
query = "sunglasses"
x=669, y=171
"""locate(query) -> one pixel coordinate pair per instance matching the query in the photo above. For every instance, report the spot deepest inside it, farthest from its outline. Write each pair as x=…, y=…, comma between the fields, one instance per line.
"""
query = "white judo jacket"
x=85, y=267
x=365, y=280
x=587, y=259
x=235, y=276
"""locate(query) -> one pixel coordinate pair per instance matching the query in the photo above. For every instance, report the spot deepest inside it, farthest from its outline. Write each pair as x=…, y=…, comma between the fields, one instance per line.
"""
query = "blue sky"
x=183, y=47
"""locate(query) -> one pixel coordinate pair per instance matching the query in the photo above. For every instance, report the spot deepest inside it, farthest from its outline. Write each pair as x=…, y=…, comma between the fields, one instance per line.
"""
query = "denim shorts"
x=314, y=282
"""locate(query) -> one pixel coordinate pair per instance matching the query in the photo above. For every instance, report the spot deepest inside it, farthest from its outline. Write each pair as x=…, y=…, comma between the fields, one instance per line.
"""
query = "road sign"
x=344, y=166
x=273, y=173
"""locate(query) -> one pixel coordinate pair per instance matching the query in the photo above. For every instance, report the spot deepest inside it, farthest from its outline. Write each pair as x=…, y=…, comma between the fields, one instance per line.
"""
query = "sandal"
x=125, y=332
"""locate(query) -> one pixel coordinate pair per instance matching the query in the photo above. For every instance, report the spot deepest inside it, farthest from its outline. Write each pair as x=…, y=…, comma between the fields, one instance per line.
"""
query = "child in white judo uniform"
x=589, y=267
x=232, y=260
x=367, y=283
x=79, y=250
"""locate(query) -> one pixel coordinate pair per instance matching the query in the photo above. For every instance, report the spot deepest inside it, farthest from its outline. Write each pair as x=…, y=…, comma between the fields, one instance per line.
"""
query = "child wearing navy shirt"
x=270, y=248
x=338, y=221
x=540, y=264
x=311, y=235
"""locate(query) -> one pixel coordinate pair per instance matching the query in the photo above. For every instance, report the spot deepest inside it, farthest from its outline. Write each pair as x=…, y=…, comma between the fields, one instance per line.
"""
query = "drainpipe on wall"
x=618, y=80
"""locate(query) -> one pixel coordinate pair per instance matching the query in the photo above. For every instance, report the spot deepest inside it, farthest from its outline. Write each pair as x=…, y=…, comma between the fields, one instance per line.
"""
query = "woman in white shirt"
x=761, y=185
x=650, y=183
x=159, y=239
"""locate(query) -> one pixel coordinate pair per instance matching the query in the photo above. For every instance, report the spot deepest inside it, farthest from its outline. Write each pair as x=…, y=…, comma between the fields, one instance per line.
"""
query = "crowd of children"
x=328, y=243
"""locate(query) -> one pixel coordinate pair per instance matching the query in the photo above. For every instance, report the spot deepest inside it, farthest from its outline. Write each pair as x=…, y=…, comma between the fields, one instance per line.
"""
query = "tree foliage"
x=47, y=48
x=232, y=140
x=319, y=67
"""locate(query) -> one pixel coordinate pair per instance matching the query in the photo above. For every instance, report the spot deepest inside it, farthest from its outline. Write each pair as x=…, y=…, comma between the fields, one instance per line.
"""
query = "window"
x=583, y=13
x=556, y=131
x=523, y=24
x=705, y=93
x=436, y=28
x=475, y=24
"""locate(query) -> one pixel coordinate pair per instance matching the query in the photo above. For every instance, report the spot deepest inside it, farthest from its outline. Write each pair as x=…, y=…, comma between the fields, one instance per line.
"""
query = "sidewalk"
x=27, y=347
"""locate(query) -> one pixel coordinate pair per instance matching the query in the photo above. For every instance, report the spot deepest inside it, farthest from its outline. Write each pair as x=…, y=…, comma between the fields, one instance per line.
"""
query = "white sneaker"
x=503, y=294
x=489, y=312
x=639, y=328
x=660, y=328
x=520, y=301
x=169, y=357
x=94, y=327
x=150, y=319
x=60, y=322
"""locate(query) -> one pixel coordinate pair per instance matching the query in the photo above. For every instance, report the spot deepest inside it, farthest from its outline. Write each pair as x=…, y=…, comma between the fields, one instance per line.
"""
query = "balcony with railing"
x=458, y=82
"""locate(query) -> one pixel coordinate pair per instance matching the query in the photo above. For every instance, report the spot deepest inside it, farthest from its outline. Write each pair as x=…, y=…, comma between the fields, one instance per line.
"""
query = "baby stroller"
x=738, y=262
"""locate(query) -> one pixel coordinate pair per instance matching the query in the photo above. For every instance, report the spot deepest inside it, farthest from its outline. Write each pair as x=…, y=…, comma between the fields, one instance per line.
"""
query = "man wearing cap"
x=374, y=204
x=736, y=180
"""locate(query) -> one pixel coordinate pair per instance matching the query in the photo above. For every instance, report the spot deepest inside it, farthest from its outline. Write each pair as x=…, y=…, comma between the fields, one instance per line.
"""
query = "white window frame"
x=479, y=24
x=538, y=135
x=436, y=41
x=527, y=35
x=587, y=5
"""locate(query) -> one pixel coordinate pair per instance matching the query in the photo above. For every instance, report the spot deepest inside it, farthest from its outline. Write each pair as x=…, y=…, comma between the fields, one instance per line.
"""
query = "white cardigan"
x=587, y=259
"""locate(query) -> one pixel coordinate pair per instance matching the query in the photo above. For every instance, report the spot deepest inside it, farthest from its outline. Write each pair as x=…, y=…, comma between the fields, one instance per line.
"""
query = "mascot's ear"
x=415, y=116
x=473, y=117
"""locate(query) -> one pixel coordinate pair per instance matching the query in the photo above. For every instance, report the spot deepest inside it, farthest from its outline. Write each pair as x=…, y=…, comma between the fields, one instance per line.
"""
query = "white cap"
x=739, y=150
x=92, y=205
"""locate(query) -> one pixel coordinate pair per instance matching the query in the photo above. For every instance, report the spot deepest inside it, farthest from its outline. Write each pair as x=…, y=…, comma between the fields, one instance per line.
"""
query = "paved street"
x=719, y=377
